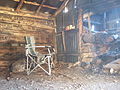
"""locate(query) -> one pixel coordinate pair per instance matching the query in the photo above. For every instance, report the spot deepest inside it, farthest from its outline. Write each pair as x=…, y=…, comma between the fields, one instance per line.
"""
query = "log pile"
x=95, y=46
x=87, y=48
x=88, y=53
x=101, y=50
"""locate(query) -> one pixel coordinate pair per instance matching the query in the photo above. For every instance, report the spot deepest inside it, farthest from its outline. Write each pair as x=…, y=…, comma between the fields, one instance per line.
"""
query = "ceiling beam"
x=40, y=6
x=61, y=7
x=37, y=4
x=20, y=5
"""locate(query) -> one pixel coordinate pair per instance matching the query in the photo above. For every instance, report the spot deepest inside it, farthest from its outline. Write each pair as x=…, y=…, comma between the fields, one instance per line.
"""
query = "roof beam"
x=20, y=5
x=40, y=6
x=29, y=14
x=37, y=4
x=61, y=7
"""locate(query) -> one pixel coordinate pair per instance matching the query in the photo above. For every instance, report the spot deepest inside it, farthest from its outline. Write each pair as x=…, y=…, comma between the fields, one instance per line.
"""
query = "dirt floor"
x=62, y=78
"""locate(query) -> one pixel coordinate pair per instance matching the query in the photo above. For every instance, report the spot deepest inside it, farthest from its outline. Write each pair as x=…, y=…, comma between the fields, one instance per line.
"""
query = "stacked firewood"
x=88, y=52
x=96, y=45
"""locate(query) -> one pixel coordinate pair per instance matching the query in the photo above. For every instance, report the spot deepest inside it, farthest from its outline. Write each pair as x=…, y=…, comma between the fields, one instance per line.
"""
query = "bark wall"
x=14, y=28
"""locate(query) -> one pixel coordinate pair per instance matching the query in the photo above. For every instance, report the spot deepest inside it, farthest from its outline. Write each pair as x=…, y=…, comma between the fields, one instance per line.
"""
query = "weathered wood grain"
x=13, y=29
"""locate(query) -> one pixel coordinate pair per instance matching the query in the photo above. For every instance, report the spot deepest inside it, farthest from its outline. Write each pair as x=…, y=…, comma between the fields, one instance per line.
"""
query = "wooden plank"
x=42, y=26
x=115, y=62
x=61, y=7
x=63, y=39
x=113, y=66
x=37, y=4
x=6, y=21
x=20, y=5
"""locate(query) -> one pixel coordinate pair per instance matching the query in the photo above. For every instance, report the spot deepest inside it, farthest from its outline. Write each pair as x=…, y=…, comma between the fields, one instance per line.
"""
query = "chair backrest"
x=30, y=43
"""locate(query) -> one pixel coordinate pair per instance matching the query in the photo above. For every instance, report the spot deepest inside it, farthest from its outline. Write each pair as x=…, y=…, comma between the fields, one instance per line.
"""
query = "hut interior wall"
x=12, y=31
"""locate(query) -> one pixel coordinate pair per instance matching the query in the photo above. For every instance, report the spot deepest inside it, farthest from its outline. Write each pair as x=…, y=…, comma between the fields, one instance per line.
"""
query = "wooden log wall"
x=14, y=28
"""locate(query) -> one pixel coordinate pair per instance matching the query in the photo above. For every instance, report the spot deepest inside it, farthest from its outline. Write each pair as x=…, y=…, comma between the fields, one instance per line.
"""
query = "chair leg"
x=27, y=65
x=49, y=64
x=52, y=63
x=33, y=69
x=30, y=65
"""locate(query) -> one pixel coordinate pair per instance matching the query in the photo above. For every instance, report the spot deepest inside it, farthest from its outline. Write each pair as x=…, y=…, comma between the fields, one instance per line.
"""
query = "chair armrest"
x=27, y=46
x=42, y=46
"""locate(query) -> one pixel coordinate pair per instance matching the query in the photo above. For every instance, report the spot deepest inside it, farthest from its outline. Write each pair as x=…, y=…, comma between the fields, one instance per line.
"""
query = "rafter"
x=37, y=4
x=20, y=5
x=61, y=7
x=40, y=6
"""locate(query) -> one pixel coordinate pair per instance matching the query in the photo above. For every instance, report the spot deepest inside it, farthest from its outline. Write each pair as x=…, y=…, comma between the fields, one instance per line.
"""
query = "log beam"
x=24, y=14
x=61, y=7
x=20, y=5
x=80, y=34
x=37, y=4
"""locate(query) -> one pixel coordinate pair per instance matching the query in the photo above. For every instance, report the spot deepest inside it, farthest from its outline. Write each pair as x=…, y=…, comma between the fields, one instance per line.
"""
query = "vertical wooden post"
x=20, y=5
x=63, y=39
x=89, y=22
x=55, y=43
x=80, y=26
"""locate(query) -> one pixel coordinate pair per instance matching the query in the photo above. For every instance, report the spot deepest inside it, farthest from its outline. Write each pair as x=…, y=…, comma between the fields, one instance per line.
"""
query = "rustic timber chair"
x=35, y=59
